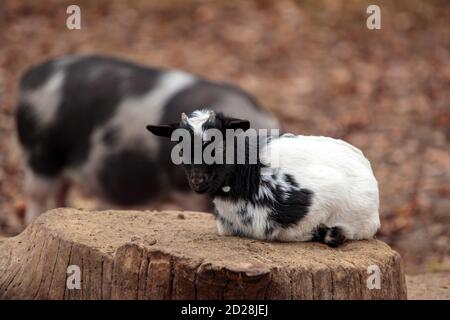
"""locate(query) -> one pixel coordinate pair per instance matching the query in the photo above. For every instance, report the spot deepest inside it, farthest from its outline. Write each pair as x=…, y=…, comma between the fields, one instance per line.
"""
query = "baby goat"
x=301, y=188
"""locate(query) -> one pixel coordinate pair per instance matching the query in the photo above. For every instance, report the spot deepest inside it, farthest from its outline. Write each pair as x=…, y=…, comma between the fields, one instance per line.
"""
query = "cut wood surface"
x=174, y=255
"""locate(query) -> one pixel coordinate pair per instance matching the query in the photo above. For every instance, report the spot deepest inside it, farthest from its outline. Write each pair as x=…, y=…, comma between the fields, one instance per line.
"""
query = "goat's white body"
x=345, y=191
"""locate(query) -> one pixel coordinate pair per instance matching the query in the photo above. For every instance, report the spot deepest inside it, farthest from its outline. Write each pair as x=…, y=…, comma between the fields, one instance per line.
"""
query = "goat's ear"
x=233, y=123
x=163, y=130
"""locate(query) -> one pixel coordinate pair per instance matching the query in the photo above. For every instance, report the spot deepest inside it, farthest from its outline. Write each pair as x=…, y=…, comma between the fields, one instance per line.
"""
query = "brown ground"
x=431, y=286
x=313, y=63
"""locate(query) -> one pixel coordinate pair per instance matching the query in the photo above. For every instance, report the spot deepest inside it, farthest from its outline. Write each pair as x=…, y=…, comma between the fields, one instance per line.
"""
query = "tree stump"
x=173, y=255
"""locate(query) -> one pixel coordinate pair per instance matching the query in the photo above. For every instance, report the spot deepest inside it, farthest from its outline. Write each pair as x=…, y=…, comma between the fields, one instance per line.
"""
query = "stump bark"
x=173, y=255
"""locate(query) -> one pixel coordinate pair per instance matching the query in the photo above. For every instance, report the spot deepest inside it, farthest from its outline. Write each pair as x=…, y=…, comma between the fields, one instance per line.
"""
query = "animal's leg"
x=331, y=236
x=293, y=234
x=60, y=194
x=38, y=191
x=224, y=228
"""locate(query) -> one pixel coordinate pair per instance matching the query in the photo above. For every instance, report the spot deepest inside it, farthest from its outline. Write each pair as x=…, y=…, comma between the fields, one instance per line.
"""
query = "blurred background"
x=314, y=64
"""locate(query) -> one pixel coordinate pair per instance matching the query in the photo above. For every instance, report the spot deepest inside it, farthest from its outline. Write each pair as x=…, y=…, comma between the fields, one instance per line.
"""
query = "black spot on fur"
x=233, y=176
x=45, y=153
x=130, y=177
x=245, y=217
x=230, y=227
x=27, y=126
x=319, y=233
x=291, y=181
x=291, y=207
x=331, y=236
x=225, y=222
x=37, y=75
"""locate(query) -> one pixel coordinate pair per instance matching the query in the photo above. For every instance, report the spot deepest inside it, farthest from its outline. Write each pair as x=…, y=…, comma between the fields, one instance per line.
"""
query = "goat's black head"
x=203, y=154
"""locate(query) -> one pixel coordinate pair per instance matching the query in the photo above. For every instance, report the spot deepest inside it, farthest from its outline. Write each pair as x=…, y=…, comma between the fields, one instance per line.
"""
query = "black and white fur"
x=82, y=119
x=302, y=188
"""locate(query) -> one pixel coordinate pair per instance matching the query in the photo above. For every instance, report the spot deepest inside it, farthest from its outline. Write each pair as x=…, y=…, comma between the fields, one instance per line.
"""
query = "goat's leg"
x=331, y=236
x=38, y=191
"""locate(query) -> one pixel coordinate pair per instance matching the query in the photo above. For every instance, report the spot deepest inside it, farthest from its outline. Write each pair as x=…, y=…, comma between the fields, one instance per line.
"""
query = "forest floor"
x=428, y=286
x=314, y=64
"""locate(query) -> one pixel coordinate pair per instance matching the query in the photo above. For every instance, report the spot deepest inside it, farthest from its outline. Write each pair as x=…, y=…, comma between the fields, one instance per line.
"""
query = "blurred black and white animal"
x=301, y=188
x=81, y=120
